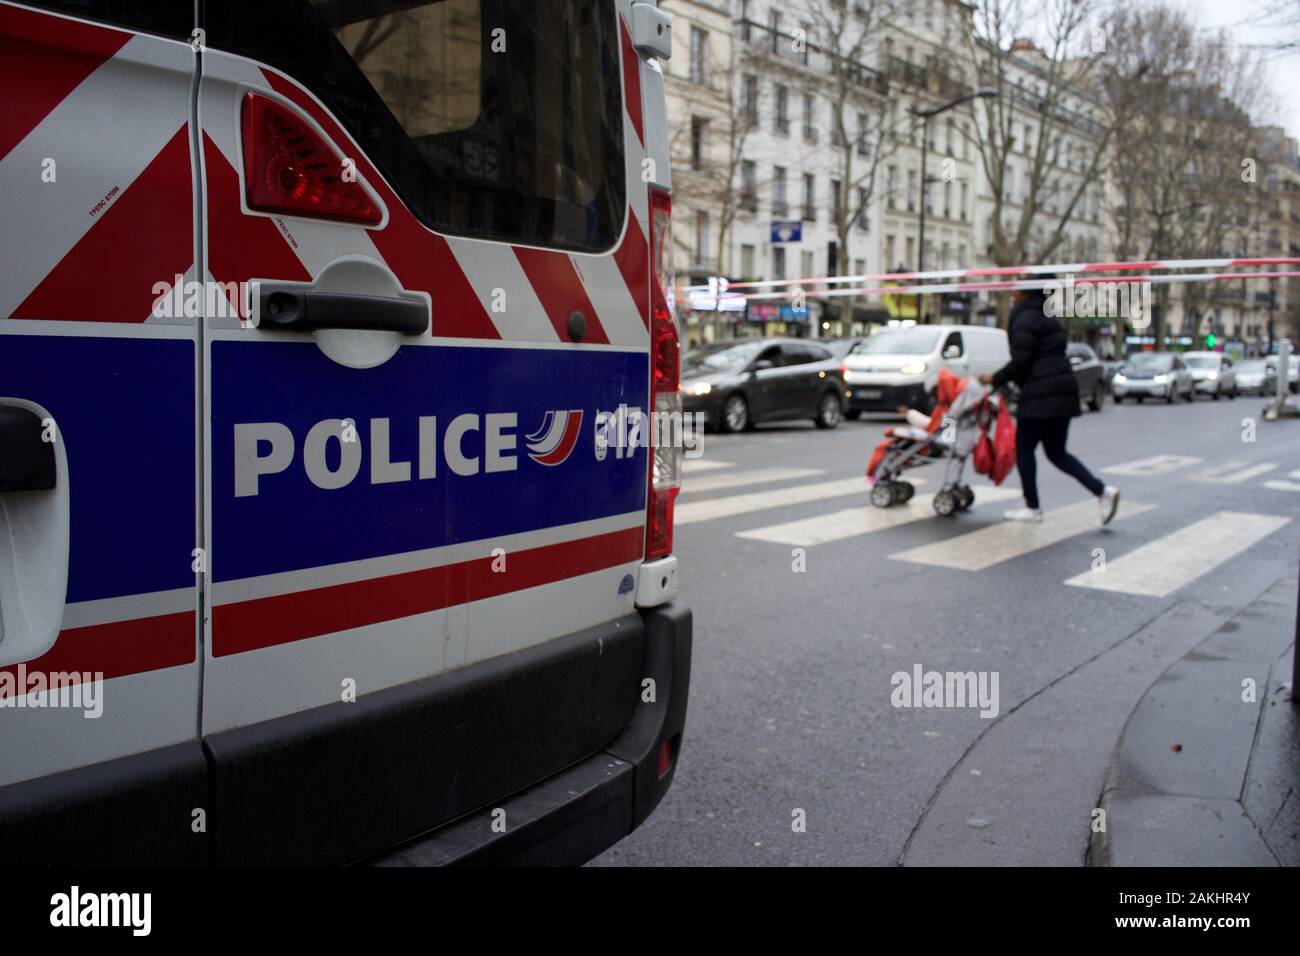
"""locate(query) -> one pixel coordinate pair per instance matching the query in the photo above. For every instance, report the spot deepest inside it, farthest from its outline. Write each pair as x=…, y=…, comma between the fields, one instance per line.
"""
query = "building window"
x=697, y=142
x=778, y=262
x=947, y=199
x=910, y=256
x=864, y=140
x=779, y=204
x=748, y=185
x=747, y=262
x=862, y=210
x=701, y=237
x=782, y=109
x=809, y=117
x=964, y=197
x=961, y=256
x=889, y=253
x=965, y=141
x=750, y=100
x=911, y=190
x=891, y=188
x=805, y=265
x=809, y=197
x=699, y=54
x=836, y=201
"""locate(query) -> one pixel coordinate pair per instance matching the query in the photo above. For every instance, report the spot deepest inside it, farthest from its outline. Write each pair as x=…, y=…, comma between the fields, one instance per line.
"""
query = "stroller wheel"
x=966, y=497
x=882, y=494
x=945, y=503
x=903, y=491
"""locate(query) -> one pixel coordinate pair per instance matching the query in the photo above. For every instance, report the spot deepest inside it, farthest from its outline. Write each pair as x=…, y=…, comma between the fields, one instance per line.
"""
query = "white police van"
x=318, y=542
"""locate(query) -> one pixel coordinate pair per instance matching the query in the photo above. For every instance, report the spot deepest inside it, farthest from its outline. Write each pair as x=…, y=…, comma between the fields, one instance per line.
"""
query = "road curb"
x=1200, y=775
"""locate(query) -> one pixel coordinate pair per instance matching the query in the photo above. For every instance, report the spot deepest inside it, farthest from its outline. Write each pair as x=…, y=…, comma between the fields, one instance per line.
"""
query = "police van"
x=324, y=537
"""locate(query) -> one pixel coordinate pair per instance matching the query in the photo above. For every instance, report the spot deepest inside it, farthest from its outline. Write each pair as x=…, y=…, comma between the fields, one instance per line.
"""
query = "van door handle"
x=26, y=459
x=304, y=310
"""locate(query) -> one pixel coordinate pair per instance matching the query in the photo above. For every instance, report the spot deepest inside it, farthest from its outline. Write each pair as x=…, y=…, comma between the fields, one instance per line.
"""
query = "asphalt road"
x=791, y=716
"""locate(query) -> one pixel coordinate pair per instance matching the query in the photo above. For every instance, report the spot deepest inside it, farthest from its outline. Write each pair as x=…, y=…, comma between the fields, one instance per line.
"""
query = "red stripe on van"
x=633, y=259
x=242, y=246
x=43, y=59
x=631, y=79
x=419, y=257
x=265, y=622
x=560, y=290
x=119, y=648
x=142, y=237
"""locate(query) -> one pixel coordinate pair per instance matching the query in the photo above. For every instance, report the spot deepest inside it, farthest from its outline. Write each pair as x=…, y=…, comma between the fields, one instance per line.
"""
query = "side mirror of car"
x=762, y=364
x=952, y=352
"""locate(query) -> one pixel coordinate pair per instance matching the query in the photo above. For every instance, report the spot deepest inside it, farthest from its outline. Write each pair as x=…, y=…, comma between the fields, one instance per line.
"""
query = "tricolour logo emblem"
x=554, y=441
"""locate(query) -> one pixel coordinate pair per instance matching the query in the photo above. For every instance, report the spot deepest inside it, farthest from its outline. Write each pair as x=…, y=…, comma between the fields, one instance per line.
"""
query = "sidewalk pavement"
x=1201, y=776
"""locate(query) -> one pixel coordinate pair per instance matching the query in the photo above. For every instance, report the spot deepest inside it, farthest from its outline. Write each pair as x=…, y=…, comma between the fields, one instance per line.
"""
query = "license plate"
x=870, y=393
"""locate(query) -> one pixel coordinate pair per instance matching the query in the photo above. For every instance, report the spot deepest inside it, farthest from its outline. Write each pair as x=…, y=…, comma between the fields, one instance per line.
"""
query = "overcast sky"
x=1245, y=19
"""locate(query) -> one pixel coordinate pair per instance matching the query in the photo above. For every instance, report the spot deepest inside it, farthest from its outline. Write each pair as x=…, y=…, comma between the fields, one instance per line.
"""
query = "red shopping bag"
x=982, y=456
x=1004, y=446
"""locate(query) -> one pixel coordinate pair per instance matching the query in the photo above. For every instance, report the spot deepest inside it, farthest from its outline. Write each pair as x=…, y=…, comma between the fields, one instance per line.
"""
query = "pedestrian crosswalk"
x=1154, y=568
x=1164, y=565
x=986, y=547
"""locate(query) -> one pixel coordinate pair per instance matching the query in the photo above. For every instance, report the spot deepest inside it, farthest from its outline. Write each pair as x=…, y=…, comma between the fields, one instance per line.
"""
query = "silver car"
x=1212, y=373
x=1153, y=375
x=1256, y=375
x=1292, y=371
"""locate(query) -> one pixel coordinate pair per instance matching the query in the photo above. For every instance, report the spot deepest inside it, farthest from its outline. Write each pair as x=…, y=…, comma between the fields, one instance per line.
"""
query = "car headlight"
x=1213, y=376
x=1161, y=379
x=848, y=375
x=701, y=389
x=913, y=368
x=1119, y=377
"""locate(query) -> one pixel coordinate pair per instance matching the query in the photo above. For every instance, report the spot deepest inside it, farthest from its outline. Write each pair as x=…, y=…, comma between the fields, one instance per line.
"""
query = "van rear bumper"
x=428, y=760
x=576, y=814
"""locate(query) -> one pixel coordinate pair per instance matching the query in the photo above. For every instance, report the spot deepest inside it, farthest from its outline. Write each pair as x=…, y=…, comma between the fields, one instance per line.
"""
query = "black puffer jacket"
x=1038, y=364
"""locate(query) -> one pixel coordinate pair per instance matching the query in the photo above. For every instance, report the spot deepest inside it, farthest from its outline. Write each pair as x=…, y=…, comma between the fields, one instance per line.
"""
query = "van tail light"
x=665, y=377
x=289, y=168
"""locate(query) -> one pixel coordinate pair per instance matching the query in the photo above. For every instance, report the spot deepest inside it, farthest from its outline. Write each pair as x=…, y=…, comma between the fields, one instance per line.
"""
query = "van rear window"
x=494, y=119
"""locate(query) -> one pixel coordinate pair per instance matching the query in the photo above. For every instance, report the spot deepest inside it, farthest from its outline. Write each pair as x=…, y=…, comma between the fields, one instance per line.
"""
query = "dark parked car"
x=738, y=383
x=1089, y=373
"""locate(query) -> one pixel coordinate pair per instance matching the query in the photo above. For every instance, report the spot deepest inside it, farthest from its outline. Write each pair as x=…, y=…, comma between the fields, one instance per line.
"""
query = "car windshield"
x=1251, y=365
x=720, y=356
x=1202, y=361
x=899, y=342
x=840, y=347
x=1150, y=362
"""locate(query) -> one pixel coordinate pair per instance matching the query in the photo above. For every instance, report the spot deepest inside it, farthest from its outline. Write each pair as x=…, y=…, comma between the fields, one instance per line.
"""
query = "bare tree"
x=1046, y=120
x=846, y=38
x=1184, y=173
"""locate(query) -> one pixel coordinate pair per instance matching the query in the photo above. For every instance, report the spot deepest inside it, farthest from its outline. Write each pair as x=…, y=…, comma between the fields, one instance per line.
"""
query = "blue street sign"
x=787, y=230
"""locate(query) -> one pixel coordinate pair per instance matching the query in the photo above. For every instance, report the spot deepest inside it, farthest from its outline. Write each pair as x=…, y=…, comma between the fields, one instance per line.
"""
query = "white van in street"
x=900, y=365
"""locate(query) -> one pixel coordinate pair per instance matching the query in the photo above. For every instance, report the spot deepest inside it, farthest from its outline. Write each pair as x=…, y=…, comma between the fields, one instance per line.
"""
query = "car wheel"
x=1169, y=396
x=829, y=411
x=1191, y=394
x=735, y=414
x=1117, y=398
x=1095, y=401
x=1233, y=394
x=1215, y=395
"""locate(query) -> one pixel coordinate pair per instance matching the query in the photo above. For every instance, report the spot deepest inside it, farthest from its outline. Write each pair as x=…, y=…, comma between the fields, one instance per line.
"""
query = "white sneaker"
x=1024, y=514
x=1109, y=502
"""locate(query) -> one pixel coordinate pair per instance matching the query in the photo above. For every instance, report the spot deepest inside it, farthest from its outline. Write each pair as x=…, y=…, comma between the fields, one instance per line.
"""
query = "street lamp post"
x=925, y=117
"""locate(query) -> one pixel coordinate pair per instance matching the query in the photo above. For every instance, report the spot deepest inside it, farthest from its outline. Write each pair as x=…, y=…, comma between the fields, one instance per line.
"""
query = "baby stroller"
x=948, y=434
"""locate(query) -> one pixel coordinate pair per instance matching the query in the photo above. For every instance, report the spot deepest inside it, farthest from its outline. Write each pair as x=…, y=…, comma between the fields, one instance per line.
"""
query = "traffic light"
x=1210, y=340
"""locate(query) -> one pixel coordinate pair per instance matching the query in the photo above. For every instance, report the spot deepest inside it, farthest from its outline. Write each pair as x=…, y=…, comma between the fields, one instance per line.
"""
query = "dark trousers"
x=1052, y=432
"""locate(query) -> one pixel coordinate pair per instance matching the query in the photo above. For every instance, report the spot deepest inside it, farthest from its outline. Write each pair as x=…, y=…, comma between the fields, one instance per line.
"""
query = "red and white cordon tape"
x=1061, y=271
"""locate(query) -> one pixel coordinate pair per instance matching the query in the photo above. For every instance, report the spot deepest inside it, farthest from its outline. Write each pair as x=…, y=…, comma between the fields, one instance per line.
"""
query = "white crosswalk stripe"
x=1233, y=472
x=739, y=479
x=694, y=465
x=711, y=509
x=851, y=522
x=1155, y=465
x=986, y=547
x=1285, y=485
x=1168, y=563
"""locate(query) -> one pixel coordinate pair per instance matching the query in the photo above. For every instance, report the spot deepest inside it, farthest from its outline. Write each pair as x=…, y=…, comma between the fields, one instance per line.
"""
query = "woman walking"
x=1049, y=398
